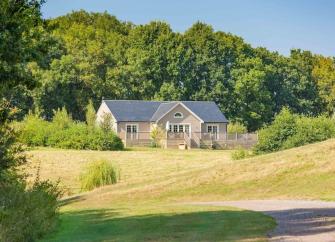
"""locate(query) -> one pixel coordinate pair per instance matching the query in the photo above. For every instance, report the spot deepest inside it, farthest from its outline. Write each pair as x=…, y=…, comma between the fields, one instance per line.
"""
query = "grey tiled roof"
x=130, y=110
x=134, y=110
x=207, y=111
x=162, y=109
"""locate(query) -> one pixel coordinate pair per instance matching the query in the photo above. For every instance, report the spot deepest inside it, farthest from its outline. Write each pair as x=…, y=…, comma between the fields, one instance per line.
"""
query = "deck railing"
x=194, y=139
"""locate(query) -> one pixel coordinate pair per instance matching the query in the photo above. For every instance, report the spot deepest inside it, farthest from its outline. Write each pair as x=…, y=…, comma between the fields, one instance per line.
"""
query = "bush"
x=272, y=137
x=64, y=133
x=240, y=154
x=289, y=130
x=34, y=131
x=236, y=127
x=28, y=214
x=100, y=140
x=97, y=174
x=157, y=135
x=310, y=130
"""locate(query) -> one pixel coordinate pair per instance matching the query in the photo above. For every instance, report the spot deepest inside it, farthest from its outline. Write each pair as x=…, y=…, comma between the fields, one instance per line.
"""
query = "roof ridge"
x=125, y=100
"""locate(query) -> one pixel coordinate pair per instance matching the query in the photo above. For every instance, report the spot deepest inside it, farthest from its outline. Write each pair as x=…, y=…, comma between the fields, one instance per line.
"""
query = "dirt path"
x=311, y=221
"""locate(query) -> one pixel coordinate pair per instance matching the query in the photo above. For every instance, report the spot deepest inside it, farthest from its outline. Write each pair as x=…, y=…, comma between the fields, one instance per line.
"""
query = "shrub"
x=272, y=137
x=101, y=140
x=310, y=130
x=73, y=137
x=97, y=174
x=28, y=214
x=241, y=153
x=289, y=130
x=63, y=132
x=90, y=114
x=61, y=119
x=34, y=131
x=237, y=127
x=157, y=136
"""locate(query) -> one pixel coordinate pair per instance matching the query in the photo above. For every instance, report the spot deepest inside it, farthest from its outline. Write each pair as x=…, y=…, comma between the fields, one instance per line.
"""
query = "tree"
x=324, y=75
x=254, y=104
x=11, y=154
x=17, y=18
x=90, y=114
x=106, y=122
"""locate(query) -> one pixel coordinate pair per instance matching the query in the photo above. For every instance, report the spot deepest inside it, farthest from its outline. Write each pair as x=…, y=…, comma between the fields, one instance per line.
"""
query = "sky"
x=278, y=25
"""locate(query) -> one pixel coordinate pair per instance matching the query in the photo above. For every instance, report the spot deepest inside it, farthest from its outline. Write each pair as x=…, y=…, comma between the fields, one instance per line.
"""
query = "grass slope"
x=154, y=182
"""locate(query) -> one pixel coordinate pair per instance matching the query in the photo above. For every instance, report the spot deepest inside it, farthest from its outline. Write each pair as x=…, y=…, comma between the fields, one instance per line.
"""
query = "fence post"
x=236, y=136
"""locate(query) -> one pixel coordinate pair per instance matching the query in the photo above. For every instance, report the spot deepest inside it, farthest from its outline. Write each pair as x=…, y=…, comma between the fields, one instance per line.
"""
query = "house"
x=188, y=122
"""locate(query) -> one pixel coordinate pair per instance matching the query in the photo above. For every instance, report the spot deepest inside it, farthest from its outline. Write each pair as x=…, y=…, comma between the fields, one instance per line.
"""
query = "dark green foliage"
x=97, y=174
x=272, y=137
x=63, y=132
x=310, y=130
x=86, y=56
x=290, y=130
x=11, y=155
x=27, y=214
x=104, y=57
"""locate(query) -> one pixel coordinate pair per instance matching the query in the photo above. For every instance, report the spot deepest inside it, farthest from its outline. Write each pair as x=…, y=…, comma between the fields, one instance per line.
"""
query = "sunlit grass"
x=154, y=183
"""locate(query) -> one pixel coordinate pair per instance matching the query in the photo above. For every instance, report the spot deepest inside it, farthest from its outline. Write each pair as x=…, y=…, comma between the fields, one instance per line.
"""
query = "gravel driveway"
x=311, y=221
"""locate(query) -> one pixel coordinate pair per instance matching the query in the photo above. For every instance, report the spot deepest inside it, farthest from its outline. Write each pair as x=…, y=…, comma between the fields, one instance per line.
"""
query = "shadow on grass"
x=111, y=225
x=69, y=200
x=304, y=221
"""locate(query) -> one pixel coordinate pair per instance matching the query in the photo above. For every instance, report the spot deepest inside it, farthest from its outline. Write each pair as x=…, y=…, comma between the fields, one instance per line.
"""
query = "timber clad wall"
x=188, y=118
x=103, y=110
x=143, y=129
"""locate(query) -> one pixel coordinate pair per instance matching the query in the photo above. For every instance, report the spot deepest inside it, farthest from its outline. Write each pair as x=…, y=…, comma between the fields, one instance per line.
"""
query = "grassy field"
x=147, y=204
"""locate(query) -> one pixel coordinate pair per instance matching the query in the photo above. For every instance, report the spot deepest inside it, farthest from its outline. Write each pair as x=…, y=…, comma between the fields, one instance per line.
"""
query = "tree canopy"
x=87, y=56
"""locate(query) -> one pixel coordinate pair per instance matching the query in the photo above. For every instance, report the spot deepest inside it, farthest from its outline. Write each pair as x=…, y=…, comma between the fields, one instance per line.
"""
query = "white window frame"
x=181, y=115
x=217, y=130
x=131, y=125
x=178, y=124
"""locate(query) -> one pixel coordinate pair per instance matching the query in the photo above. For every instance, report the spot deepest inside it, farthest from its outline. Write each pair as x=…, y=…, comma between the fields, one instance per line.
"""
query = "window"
x=187, y=128
x=213, y=130
x=131, y=128
x=179, y=128
x=128, y=128
x=132, y=131
x=209, y=129
x=178, y=115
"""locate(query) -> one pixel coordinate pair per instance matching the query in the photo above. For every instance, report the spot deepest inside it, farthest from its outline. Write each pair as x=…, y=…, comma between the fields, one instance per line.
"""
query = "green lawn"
x=162, y=223
x=146, y=204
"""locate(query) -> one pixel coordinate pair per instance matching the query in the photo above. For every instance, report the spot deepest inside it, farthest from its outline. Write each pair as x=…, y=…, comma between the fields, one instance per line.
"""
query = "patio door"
x=213, y=131
x=132, y=131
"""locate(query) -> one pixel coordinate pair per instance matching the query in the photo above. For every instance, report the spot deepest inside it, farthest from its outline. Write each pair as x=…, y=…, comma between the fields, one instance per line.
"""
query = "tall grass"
x=97, y=174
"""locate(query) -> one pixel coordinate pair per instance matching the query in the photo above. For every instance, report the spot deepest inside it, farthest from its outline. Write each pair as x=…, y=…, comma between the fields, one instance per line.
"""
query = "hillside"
x=304, y=172
x=155, y=184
